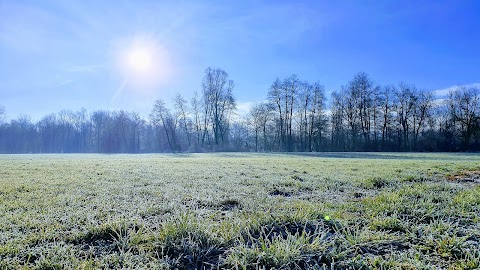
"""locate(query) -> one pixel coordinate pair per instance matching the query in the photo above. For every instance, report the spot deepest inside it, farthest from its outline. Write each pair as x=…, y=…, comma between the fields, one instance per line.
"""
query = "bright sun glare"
x=143, y=63
x=140, y=60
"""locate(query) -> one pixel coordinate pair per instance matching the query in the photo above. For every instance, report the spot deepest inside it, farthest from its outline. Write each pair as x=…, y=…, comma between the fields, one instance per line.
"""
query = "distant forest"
x=361, y=116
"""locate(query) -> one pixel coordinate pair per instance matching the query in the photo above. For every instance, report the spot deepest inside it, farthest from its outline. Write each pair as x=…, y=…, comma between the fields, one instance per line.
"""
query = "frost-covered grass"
x=240, y=211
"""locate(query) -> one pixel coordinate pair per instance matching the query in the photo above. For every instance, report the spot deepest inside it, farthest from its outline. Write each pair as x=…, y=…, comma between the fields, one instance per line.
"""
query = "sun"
x=142, y=62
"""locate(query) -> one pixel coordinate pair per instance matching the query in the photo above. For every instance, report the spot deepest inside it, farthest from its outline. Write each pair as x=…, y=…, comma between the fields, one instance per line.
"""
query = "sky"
x=57, y=54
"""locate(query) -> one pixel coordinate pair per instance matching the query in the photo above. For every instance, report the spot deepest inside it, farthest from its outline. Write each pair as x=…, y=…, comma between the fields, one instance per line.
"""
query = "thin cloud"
x=243, y=108
x=242, y=111
x=444, y=92
x=86, y=68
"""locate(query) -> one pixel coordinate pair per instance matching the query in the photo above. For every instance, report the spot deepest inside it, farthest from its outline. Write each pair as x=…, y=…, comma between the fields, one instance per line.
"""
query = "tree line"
x=295, y=116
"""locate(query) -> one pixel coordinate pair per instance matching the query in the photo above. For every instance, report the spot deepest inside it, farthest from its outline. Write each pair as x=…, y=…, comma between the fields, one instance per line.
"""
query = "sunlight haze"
x=143, y=64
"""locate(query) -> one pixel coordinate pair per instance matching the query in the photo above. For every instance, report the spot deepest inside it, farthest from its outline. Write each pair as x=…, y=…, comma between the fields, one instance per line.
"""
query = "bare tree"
x=283, y=95
x=464, y=104
x=195, y=105
x=352, y=116
x=338, y=115
x=386, y=111
x=100, y=126
x=181, y=113
x=275, y=98
x=317, y=122
x=219, y=102
x=254, y=119
x=361, y=91
x=291, y=87
x=405, y=100
x=260, y=114
x=47, y=127
x=161, y=117
x=421, y=112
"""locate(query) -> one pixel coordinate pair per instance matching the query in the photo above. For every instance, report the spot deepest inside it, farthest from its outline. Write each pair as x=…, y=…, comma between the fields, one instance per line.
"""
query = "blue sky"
x=58, y=55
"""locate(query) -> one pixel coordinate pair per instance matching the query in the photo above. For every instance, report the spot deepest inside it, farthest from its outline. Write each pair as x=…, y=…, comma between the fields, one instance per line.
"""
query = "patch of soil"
x=382, y=248
x=466, y=176
x=305, y=189
x=277, y=192
x=229, y=205
x=298, y=178
x=473, y=240
x=107, y=235
x=379, y=183
x=103, y=241
x=358, y=195
x=226, y=205
x=155, y=212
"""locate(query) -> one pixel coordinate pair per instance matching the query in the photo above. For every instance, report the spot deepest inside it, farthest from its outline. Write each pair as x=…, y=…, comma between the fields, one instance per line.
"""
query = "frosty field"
x=240, y=211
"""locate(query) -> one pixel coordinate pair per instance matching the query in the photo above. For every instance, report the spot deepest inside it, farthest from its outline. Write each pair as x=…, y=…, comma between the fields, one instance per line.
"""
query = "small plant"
x=392, y=224
x=376, y=182
x=185, y=244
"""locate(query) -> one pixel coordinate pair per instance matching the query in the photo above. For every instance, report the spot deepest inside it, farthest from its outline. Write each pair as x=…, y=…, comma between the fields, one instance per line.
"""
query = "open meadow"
x=240, y=211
